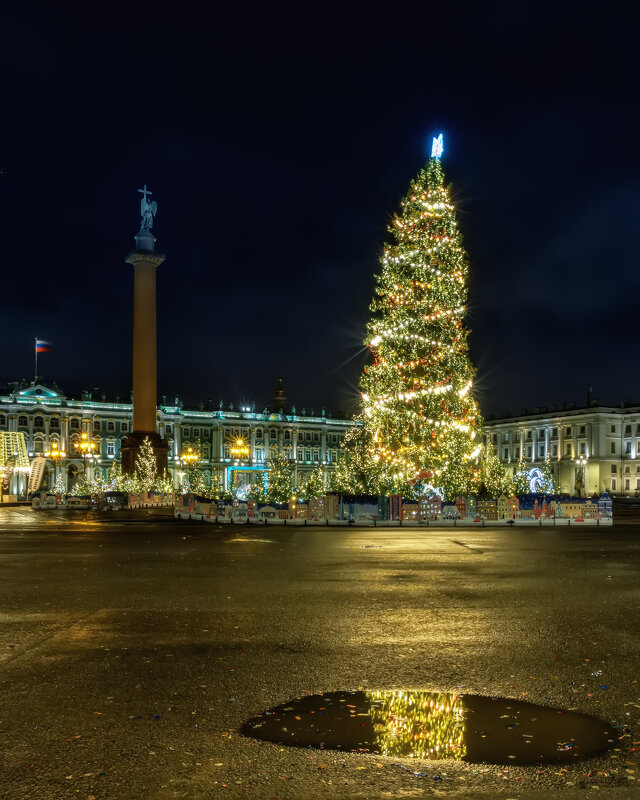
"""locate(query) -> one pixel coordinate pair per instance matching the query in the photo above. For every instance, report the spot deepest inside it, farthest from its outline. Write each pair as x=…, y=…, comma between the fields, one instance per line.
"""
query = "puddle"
x=433, y=725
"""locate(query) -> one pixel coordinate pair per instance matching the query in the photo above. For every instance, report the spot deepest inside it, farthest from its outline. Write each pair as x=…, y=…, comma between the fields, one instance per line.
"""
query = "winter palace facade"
x=233, y=443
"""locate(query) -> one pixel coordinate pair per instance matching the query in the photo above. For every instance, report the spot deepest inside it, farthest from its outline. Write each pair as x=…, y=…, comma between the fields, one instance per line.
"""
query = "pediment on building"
x=36, y=393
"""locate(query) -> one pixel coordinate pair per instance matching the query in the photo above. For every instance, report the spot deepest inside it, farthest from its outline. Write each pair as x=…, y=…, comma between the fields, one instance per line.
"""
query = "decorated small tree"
x=115, y=476
x=521, y=478
x=58, y=486
x=313, y=485
x=547, y=475
x=280, y=486
x=494, y=476
x=146, y=467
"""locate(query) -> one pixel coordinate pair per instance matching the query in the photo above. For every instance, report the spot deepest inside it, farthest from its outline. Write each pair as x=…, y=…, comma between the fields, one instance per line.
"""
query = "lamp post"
x=190, y=456
x=56, y=455
x=86, y=446
x=581, y=471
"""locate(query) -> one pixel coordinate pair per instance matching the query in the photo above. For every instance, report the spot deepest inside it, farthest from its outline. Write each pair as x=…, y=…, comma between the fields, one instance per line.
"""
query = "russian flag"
x=42, y=346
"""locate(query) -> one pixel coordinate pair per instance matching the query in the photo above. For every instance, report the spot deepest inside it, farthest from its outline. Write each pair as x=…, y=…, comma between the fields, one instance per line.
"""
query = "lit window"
x=111, y=447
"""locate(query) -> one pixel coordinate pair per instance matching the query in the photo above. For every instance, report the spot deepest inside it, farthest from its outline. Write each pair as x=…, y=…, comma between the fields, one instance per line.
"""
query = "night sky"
x=278, y=142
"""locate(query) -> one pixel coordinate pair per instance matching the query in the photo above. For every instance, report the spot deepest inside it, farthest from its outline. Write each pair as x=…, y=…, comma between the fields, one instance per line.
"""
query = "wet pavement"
x=133, y=649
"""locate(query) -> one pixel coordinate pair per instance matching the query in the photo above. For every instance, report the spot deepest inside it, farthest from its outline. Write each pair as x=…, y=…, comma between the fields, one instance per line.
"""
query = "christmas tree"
x=280, y=487
x=313, y=484
x=146, y=467
x=494, y=476
x=420, y=416
x=521, y=478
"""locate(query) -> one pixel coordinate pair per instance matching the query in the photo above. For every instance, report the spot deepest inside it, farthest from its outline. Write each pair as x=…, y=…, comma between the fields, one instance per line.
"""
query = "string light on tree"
x=419, y=412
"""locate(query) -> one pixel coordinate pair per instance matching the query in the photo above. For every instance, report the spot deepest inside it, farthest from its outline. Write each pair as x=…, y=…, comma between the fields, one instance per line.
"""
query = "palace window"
x=316, y=437
x=259, y=454
x=23, y=422
x=554, y=433
x=568, y=431
x=614, y=484
x=308, y=436
x=300, y=455
x=528, y=452
x=613, y=429
x=613, y=447
x=167, y=428
x=111, y=426
x=3, y=419
x=583, y=448
x=38, y=422
x=505, y=454
x=206, y=452
x=554, y=450
x=38, y=445
x=287, y=434
x=627, y=470
x=54, y=422
x=196, y=432
x=505, y=438
x=568, y=450
x=627, y=448
x=626, y=483
x=96, y=425
x=614, y=469
x=540, y=451
x=517, y=452
x=258, y=433
x=308, y=455
x=125, y=427
x=627, y=431
x=273, y=433
x=316, y=455
x=583, y=430
x=111, y=447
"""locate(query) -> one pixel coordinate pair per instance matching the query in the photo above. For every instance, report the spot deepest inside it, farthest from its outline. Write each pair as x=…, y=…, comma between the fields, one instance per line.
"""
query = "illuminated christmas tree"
x=146, y=467
x=313, y=484
x=280, y=486
x=421, y=420
x=521, y=478
x=494, y=476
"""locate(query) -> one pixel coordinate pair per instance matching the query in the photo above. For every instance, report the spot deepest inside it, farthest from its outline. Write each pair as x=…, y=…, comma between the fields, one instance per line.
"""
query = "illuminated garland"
x=419, y=413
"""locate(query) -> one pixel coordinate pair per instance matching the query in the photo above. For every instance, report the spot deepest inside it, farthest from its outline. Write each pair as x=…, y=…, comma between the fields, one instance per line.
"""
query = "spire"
x=279, y=397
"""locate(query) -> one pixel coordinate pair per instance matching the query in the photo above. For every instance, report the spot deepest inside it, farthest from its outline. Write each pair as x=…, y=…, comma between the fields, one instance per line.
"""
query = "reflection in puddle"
x=431, y=725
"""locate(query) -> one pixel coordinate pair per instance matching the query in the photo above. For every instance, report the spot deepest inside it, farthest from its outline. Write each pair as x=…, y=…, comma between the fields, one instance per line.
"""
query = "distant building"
x=234, y=442
x=592, y=450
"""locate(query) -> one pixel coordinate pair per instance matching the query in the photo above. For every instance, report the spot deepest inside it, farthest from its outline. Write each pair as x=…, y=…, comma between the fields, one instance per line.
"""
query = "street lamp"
x=86, y=447
x=190, y=456
x=581, y=471
x=240, y=449
x=56, y=455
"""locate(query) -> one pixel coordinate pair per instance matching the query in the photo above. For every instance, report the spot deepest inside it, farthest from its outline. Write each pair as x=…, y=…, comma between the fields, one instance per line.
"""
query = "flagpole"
x=35, y=377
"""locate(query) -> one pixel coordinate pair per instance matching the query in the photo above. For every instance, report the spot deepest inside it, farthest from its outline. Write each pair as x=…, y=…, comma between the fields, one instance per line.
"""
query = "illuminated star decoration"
x=437, y=147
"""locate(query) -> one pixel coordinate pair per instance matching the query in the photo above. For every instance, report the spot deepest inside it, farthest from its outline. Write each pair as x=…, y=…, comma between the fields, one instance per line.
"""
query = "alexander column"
x=145, y=261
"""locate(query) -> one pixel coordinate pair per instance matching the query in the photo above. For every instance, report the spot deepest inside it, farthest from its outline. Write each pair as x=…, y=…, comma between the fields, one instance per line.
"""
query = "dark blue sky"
x=278, y=143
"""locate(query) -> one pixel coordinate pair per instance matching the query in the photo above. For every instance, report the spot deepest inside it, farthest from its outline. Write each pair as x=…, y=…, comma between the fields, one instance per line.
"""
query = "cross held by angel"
x=148, y=209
